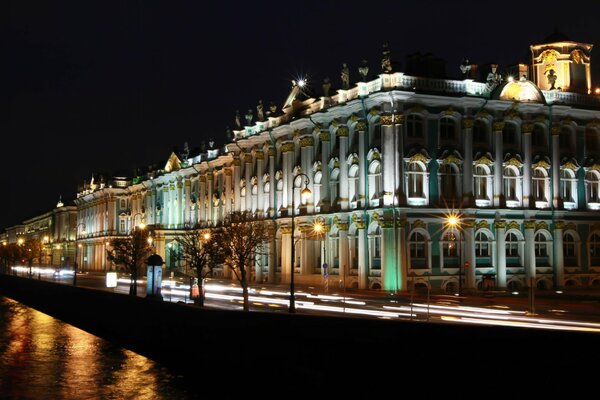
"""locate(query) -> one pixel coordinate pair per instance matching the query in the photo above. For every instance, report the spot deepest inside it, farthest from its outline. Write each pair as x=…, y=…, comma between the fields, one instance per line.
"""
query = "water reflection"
x=42, y=357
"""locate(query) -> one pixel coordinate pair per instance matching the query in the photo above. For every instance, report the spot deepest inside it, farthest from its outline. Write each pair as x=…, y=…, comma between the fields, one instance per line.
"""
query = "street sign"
x=466, y=264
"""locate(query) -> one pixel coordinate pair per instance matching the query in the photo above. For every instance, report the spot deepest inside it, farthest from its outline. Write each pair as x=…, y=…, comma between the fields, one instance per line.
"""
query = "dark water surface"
x=44, y=358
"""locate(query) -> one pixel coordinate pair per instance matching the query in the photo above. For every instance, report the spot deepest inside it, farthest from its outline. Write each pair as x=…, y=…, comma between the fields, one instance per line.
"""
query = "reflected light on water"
x=42, y=357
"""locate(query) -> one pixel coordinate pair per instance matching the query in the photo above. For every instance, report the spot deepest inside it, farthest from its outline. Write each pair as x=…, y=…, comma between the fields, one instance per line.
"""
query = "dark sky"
x=93, y=86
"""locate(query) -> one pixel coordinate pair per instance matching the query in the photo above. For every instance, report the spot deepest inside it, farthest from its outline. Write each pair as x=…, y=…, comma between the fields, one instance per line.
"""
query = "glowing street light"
x=305, y=196
x=453, y=221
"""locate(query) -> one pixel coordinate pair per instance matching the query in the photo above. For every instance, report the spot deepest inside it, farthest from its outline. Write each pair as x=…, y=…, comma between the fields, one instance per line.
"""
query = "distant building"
x=391, y=162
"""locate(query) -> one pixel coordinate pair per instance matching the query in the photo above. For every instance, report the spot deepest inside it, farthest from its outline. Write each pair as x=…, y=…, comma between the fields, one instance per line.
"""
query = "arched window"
x=512, y=245
x=416, y=182
x=417, y=245
x=540, y=190
x=449, y=181
x=414, y=126
x=480, y=134
x=482, y=245
x=538, y=137
x=509, y=136
x=511, y=180
x=353, y=248
x=375, y=182
x=592, y=189
x=482, y=179
x=450, y=244
x=375, y=247
x=569, y=246
x=541, y=245
x=353, y=190
x=568, y=188
x=447, y=130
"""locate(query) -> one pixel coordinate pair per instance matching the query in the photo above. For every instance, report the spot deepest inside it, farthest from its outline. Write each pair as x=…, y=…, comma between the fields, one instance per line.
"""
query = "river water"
x=44, y=358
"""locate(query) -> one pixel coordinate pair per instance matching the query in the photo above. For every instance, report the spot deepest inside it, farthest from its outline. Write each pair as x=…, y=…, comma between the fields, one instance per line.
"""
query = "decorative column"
x=342, y=133
x=500, y=254
x=498, y=126
x=343, y=250
x=469, y=254
x=306, y=157
x=363, y=253
x=210, y=178
x=273, y=200
x=187, y=189
x=202, y=198
x=363, y=143
x=467, y=186
x=559, y=260
x=389, y=263
x=237, y=166
x=555, y=167
x=398, y=124
x=228, y=190
x=402, y=253
x=248, y=176
x=324, y=138
x=272, y=272
x=286, y=253
x=526, y=130
x=307, y=255
x=390, y=157
x=529, y=250
x=288, y=175
x=259, y=155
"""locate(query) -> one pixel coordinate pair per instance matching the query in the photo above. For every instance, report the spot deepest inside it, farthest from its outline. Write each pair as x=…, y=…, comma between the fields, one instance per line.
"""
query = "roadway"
x=557, y=311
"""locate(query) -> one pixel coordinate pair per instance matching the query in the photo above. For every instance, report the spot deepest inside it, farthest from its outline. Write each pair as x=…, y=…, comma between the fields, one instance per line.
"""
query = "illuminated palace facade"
x=388, y=161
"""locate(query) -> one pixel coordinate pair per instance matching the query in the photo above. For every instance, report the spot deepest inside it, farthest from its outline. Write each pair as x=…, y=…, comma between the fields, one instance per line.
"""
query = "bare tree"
x=200, y=252
x=242, y=238
x=32, y=250
x=131, y=251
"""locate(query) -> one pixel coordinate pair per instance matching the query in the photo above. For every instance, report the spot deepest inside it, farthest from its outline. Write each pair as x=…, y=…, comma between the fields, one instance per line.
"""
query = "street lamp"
x=45, y=241
x=453, y=222
x=77, y=245
x=305, y=195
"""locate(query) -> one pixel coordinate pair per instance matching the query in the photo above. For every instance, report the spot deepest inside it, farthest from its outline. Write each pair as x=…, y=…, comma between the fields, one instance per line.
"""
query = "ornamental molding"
x=559, y=225
x=452, y=159
x=500, y=224
x=285, y=230
x=483, y=224
x=324, y=136
x=529, y=224
x=467, y=123
x=354, y=117
x=361, y=126
x=556, y=130
x=247, y=158
x=259, y=155
x=566, y=121
x=334, y=123
x=386, y=119
x=571, y=226
x=483, y=160
x=297, y=132
x=271, y=151
x=373, y=112
x=342, y=131
x=513, y=225
x=419, y=224
x=287, y=147
x=541, y=164
x=527, y=127
x=448, y=112
x=306, y=141
x=569, y=165
x=498, y=125
x=540, y=118
x=541, y=225
x=417, y=109
x=595, y=167
x=468, y=223
x=419, y=157
x=595, y=124
x=386, y=223
x=237, y=161
x=375, y=216
x=202, y=178
x=228, y=172
x=514, y=161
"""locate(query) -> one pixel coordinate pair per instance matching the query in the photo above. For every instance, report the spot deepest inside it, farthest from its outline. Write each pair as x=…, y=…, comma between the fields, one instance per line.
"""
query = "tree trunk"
x=133, y=285
x=245, y=290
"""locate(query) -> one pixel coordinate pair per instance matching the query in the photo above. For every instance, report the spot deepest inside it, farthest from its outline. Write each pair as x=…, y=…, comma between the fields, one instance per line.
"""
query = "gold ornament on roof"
x=483, y=160
x=483, y=224
x=452, y=159
x=541, y=164
x=514, y=162
x=541, y=225
x=419, y=157
x=513, y=225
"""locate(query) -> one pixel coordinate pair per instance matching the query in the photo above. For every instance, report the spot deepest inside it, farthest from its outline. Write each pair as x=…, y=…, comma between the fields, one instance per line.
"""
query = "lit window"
x=512, y=245
x=417, y=245
x=540, y=183
x=569, y=245
x=592, y=189
x=482, y=245
x=450, y=244
x=482, y=185
x=541, y=245
x=511, y=176
x=568, y=187
x=416, y=178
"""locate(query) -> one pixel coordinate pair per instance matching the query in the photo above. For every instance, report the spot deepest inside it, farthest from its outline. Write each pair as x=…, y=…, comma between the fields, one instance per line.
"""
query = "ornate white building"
x=388, y=161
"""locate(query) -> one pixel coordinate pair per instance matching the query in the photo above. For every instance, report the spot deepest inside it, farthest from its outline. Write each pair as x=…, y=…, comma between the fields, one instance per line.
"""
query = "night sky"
x=96, y=87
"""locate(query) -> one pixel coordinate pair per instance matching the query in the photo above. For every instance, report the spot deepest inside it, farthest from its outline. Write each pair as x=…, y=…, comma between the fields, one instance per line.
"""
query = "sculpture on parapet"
x=345, y=77
x=326, y=87
x=238, y=121
x=465, y=67
x=260, y=114
x=363, y=70
x=493, y=78
x=272, y=109
x=386, y=62
x=552, y=79
x=186, y=152
x=249, y=117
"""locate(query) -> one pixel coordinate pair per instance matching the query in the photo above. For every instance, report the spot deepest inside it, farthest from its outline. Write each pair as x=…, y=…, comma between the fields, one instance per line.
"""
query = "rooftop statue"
x=363, y=71
x=465, y=67
x=272, y=109
x=386, y=63
x=249, y=117
x=326, y=87
x=552, y=79
x=260, y=113
x=345, y=77
x=229, y=134
x=493, y=78
x=186, y=152
x=237, y=122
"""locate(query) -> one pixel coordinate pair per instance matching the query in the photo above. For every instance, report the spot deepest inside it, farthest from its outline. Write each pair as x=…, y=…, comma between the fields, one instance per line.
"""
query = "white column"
x=559, y=260
x=467, y=186
x=260, y=171
x=248, y=176
x=273, y=200
x=343, y=250
x=306, y=157
x=500, y=254
x=498, y=126
x=363, y=143
x=526, y=136
x=529, y=249
x=228, y=190
x=286, y=254
x=236, y=183
x=398, y=163
x=273, y=256
x=288, y=175
x=342, y=133
x=202, y=198
x=469, y=255
x=187, y=189
x=389, y=263
x=389, y=160
x=363, y=262
x=555, y=166
x=324, y=137
x=209, y=192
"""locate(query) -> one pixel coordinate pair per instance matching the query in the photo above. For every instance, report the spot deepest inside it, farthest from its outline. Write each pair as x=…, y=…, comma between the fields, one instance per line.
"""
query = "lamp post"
x=453, y=222
x=305, y=195
x=77, y=245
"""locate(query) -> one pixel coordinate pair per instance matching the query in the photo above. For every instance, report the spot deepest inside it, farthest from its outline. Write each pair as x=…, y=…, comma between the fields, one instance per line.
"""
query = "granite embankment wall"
x=280, y=346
